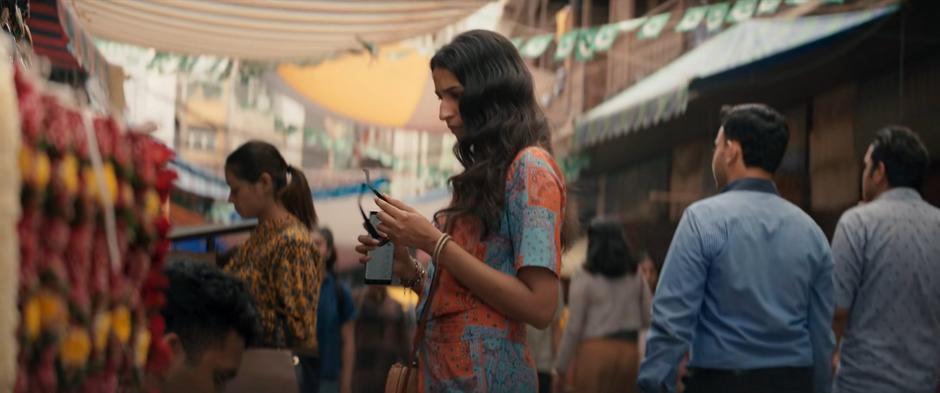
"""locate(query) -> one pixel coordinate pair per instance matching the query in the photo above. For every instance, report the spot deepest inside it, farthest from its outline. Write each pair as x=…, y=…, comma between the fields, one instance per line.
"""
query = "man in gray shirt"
x=887, y=274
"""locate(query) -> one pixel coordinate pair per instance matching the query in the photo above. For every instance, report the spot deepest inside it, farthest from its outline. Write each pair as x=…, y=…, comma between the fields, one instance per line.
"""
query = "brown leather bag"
x=403, y=378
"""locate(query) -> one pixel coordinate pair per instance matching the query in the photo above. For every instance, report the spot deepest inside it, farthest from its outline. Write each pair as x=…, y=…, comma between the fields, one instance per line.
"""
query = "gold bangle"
x=440, y=246
x=437, y=245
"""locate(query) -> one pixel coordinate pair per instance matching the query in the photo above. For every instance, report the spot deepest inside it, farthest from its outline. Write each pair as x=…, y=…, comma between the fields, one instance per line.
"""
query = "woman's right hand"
x=403, y=267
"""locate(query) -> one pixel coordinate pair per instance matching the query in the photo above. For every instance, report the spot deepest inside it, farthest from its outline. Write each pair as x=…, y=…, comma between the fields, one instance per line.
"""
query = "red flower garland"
x=84, y=317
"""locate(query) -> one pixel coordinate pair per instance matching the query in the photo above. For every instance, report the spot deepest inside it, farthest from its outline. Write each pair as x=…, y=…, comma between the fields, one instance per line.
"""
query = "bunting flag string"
x=768, y=6
x=692, y=19
x=584, y=43
x=742, y=11
x=716, y=16
x=654, y=26
x=585, y=48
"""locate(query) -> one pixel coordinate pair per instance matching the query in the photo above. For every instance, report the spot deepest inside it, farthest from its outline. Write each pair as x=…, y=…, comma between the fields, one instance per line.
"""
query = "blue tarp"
x=196, y=180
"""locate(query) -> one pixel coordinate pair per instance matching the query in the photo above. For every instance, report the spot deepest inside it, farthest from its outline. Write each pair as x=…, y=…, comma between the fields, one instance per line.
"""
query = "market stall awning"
x=58, y=37
x=665, y=94
x=270, y=29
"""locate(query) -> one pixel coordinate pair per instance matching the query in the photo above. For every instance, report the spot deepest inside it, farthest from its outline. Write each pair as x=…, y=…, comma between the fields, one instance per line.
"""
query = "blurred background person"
x=650, y=270
x=382, y=338
x=609, y=304
x=543, y=343
x=331, y=370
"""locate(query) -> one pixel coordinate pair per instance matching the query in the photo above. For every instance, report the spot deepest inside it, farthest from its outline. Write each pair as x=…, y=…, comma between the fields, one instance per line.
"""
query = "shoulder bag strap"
x=425, y=313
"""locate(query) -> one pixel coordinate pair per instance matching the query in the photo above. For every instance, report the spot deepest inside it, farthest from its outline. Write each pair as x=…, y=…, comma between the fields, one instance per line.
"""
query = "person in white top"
x=609, y=305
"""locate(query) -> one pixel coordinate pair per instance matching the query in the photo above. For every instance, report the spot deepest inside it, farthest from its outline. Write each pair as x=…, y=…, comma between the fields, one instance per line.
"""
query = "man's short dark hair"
x=204, y=304
x=762, y=132
x=904, y=155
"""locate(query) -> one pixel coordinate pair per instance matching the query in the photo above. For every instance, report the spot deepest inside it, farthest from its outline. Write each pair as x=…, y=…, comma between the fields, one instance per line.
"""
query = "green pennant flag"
x=517, y=42
x=606, y=36
x=798, y=2
x=716, y=16
x=632, y=24
x=566, y=44
x=768, y=6
x=692, y=18
x=536, y=46
x=654, y=26
x=585, y=48
x=742, y=11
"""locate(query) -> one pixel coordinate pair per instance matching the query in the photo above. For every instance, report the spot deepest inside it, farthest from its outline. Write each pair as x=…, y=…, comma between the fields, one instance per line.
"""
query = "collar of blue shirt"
x=900, y=194
x=752, y=184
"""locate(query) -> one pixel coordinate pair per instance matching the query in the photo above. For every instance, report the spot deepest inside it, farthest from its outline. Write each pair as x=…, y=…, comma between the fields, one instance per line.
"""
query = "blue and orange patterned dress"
x=469, y=346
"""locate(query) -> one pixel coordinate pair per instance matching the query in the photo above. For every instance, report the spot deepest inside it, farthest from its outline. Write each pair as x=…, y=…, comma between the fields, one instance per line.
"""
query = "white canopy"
x=270, y=29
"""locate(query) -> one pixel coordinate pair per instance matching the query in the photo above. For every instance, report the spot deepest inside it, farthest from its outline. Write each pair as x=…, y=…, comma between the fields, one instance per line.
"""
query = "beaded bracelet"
x=420, y=276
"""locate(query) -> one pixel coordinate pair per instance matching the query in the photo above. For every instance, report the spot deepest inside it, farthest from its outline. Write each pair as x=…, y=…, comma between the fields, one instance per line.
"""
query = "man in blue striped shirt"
x=747, y=282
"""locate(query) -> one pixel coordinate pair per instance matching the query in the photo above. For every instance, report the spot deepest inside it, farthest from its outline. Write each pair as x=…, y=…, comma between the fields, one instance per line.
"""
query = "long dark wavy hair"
x=500, y=117
x=255, y=158
x=609, y=253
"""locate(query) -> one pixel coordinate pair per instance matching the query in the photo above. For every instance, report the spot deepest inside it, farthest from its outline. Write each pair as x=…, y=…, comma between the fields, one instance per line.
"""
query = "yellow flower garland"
x=68, y=173
x=52, y=311
x=75, y=348
x=121, y=324
x=102, y=330
x=141, y=348
x=32, y=318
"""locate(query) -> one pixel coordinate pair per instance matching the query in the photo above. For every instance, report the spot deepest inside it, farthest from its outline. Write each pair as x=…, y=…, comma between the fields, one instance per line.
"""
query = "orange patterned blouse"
x=282, y=269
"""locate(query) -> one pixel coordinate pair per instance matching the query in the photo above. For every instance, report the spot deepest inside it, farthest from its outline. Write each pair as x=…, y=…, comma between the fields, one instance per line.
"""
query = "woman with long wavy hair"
x=497, y=246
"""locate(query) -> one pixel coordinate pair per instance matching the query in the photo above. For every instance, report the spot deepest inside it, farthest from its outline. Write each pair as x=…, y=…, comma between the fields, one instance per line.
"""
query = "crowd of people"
x=752, y=297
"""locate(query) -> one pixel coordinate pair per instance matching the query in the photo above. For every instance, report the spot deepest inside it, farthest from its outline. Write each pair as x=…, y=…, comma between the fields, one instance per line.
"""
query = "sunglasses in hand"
x=366, y=222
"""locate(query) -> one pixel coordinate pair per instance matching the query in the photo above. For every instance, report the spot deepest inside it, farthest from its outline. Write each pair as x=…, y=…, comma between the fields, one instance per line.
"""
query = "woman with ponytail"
x=275, y=262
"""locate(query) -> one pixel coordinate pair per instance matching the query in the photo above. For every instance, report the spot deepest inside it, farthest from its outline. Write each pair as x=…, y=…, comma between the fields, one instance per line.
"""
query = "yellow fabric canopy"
x=392, y=88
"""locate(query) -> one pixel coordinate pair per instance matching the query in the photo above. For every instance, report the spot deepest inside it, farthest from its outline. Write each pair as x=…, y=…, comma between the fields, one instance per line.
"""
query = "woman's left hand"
x=405, y=226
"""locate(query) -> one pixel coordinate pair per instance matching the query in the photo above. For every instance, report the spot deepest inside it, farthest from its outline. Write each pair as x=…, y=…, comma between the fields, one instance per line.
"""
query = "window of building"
x=201, y=138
